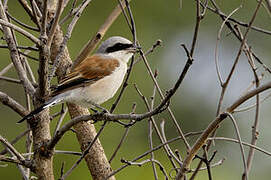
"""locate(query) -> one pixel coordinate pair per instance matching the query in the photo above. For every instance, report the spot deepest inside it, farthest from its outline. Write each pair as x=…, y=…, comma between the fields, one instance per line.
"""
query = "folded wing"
x=87, y=72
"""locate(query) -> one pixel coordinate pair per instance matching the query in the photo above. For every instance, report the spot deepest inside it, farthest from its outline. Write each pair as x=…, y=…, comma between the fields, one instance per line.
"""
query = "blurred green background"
x=195, y=102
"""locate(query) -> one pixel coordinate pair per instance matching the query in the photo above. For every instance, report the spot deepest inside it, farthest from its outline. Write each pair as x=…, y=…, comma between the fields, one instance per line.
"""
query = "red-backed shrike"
x=96, y=79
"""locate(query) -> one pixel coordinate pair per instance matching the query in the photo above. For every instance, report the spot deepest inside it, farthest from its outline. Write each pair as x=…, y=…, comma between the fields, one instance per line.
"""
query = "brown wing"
x=87, y=72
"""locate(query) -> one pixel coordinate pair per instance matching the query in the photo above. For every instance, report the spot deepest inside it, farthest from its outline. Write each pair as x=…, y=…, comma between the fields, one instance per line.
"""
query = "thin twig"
x=162, y=125
x=160, y=136
x=211, y=166
x=71, y=13
x=120, y=143
x=10, y=159
x=36, y=13
x=268, y=4
x=14, y=105
x=163, y=97
x=217, y=45
x=28, y=10
x=12, y=149
x=28, y=56
x=5, y=69
x=154, y=46
x=244, y=143
x=16, y=139
x=214, y=10
x=20, y=30
x=129, y=163
x=256, y=120
x=224, y=85
x=58, y=152
x=240, y=143
x=22, y=47
x=8, y=79
x=15, y=57
x=151, y=130
x=21, y=23
x=60, y=120
x=29, y=71
x=143, y=155
x=253, y=105
x=36, y=9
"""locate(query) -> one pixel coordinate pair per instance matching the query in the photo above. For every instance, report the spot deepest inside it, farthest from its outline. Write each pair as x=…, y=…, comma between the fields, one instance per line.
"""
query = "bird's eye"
x=118, y=47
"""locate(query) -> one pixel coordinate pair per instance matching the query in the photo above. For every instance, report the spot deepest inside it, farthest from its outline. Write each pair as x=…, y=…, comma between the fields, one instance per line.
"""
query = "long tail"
x=55, y=100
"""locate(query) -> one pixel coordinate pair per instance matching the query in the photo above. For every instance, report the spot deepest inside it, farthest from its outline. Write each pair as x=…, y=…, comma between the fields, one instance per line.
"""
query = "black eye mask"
x=118, y=47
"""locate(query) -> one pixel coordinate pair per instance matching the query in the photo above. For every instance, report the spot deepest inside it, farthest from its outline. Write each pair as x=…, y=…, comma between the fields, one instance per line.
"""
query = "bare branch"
x=15, y=140
x=28, y=10
x=238, y=22
x=15, y=55
x=162, y=95
x=213, y=125
x=211, y=166
x=131, y=163
x=166, y=148
x=21, y=23
x=240, y=143
x=9, y=159
x=36, y=13
x=151, y=129
x=162, y=125
x=4, y=70
x=8, y=79
x=244, y=143
x=217, y=45
x=14, y=105
x=120, y=143
x=61, y=118
x=22, y=47
x=251, y=106
x=158, y=43
x=12, y=149
x=144, y=154
x=20, y=30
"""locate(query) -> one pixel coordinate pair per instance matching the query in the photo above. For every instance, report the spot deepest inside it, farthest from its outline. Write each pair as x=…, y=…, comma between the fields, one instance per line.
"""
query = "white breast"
x=100, y=91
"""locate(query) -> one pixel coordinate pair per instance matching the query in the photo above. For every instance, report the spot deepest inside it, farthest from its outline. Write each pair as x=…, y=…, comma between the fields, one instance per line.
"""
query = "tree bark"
x=41, y=135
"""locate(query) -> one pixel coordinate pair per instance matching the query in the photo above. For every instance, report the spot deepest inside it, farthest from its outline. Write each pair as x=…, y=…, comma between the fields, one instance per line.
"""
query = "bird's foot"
x=99, y=107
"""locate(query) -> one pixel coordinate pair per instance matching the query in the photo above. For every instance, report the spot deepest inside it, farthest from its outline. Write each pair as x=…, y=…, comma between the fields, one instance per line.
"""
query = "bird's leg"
x=99, y=107
x=94, y=110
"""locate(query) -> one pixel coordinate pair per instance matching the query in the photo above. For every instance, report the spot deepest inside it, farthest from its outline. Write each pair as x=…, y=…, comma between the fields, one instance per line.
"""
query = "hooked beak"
x=133, y=49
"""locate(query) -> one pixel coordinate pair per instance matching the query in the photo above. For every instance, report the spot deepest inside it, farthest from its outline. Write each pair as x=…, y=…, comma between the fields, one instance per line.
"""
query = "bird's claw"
x=103, y=110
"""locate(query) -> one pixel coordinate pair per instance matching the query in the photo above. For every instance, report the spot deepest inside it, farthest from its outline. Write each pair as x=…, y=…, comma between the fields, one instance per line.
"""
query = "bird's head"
x=118, y=47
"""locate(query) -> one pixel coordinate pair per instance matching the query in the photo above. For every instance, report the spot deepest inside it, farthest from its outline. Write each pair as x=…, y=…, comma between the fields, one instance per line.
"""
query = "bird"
x=96, y=79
